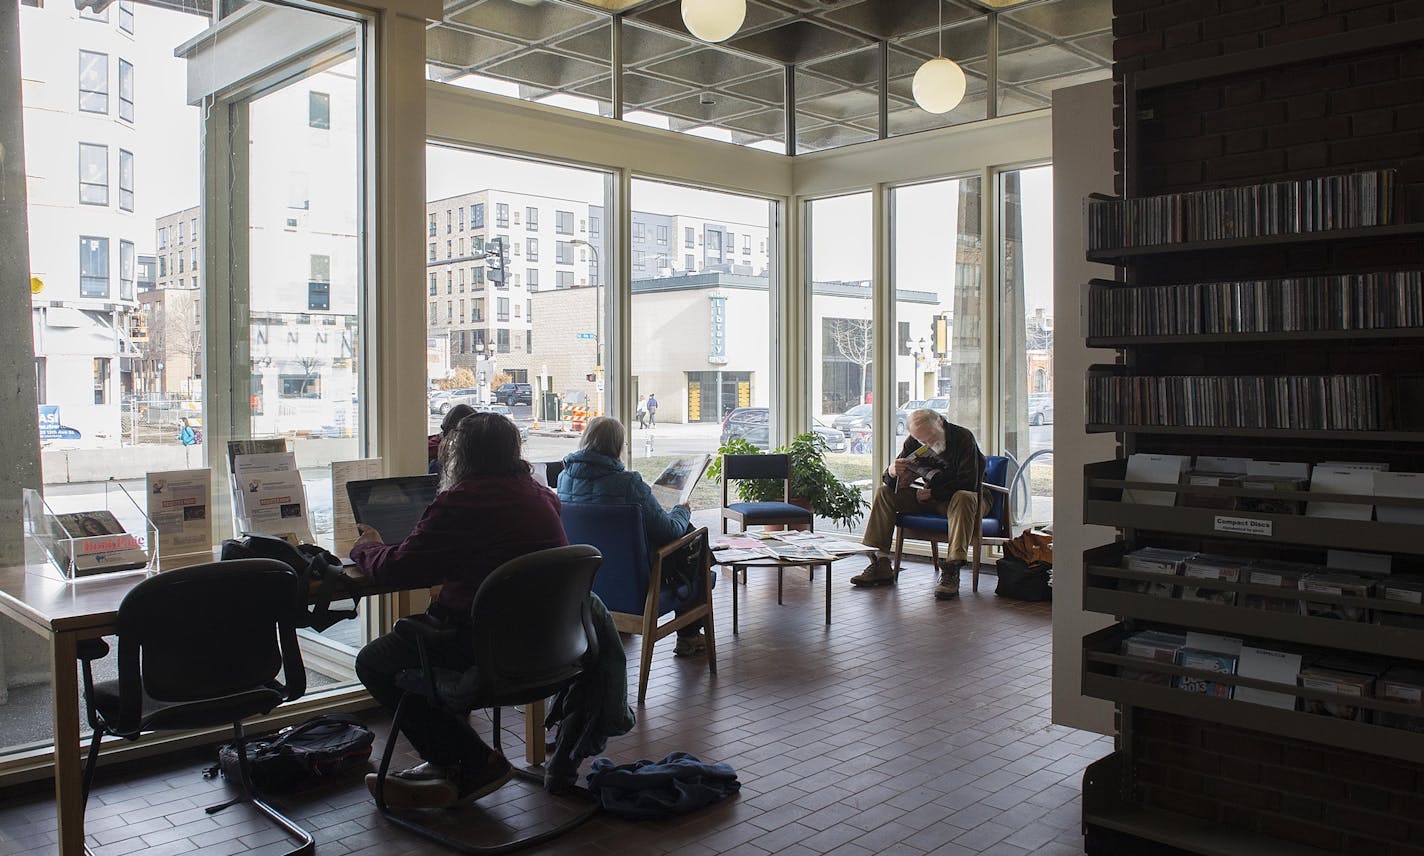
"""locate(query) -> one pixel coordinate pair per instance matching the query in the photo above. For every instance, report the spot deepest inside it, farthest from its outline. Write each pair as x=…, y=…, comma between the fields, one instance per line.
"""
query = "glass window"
x=502, y=309
x=126, y=270
x=532, y=245
x=93, y=82
x=704, y=352
x=640, y=231
x=938, y=275
x=564, y=222
x=662, y=234
x=126, y=16
x=687, y=237
x=126, y=90
x=434, y=289
x=593, y=226
x=842, y=337
x=564, y=253
x=502, y=340
x=564, y=279
x=103, y=379
x=126, y=182
x=432, y=226
x=319, y=110
x=461, y=212
x=93, y=174
x=531, y=219
x=531, y=279
x=93, y=267
x=1026, y=338
x=477, y=215
x=501, y=215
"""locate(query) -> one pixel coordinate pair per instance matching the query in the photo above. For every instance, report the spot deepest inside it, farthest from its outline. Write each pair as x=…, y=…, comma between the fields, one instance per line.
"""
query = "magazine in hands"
x=674, y=486
x=921, y=466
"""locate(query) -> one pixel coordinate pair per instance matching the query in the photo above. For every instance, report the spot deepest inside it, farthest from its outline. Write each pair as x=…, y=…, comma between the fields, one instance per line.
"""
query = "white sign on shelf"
x=1244, y=526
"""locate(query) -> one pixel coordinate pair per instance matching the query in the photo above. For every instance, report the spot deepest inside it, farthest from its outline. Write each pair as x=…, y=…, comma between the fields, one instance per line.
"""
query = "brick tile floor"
x=908, y=726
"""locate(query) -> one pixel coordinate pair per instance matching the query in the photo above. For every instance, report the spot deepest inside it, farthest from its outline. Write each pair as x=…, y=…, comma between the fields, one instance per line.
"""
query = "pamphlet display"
x=178, y=506
x=675, y=484
x=268, y=495
x=84, y=543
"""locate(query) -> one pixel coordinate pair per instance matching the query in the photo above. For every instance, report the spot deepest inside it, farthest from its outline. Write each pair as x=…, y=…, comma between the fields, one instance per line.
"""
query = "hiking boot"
x=692, y=645
x=948, y=587
x=878, y=573
x=476, y=782
x=424, y=786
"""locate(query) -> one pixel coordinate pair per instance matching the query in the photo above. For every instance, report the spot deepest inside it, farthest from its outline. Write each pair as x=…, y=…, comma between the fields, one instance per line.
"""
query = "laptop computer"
x=393, y=505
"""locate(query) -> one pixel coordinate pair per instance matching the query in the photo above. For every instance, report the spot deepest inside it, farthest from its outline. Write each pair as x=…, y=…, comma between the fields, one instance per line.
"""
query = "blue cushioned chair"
x=996, y=530
x=775, y=467
x=630, y=581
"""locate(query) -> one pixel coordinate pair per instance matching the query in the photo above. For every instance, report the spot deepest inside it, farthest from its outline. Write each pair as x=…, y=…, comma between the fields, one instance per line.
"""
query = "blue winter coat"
x=591, y=477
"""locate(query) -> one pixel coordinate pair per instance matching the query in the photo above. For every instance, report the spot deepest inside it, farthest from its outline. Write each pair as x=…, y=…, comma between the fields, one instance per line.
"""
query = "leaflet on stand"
x=269, y=496
x=178, y=506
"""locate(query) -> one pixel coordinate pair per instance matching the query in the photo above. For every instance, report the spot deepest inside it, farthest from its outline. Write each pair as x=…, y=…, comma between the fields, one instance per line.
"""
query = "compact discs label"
x=1243, y=526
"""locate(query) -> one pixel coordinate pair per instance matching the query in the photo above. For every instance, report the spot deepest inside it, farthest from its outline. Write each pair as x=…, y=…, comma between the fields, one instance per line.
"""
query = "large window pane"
x=842, y=336
x=1026, y=300
x=93, y=174
x=937, y=259
x=838, y=101
x=701, y=328
x=93, y=81
x=484, y=348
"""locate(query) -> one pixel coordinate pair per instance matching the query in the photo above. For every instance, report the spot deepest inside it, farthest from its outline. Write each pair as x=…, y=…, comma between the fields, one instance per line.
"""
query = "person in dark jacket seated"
x=489, y=510
x=432, y=443
x=595, y=473
x=939, y=471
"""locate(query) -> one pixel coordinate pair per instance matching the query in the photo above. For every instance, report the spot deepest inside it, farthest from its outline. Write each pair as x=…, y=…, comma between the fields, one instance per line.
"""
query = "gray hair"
x=925, y=416
x=603, y=435
x=453, y=417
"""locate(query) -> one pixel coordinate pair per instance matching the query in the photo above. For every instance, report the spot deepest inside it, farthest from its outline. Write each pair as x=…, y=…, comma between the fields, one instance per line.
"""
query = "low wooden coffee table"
x=781, y=564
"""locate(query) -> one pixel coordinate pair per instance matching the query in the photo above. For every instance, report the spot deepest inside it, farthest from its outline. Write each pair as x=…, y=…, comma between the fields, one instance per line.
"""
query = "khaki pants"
x=965, y=513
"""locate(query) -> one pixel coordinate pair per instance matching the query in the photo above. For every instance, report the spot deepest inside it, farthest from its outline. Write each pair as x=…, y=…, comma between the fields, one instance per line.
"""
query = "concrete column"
x=19, y=430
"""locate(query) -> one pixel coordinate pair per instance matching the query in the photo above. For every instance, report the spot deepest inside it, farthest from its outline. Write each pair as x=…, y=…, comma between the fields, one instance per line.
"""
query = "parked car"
x=1040, y=408
x=753, y=425
x=854, y=419
x=514, y=393
x=441, y=402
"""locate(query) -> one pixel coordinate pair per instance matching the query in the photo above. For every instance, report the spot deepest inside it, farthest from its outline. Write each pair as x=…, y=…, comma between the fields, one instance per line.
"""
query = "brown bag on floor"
x=1032, y=548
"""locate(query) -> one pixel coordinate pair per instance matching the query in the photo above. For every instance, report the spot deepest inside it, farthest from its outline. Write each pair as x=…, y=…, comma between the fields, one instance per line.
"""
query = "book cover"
x=1151, y=645
x=1209, y=569
x=1341, y=683
x=1153, y=560
x=1206, y=661
x=1335, y=586
x=1279, y=574
x=96, y=542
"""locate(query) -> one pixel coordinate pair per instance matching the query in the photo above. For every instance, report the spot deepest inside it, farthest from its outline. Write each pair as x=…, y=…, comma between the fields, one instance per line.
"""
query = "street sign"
x=584, y=336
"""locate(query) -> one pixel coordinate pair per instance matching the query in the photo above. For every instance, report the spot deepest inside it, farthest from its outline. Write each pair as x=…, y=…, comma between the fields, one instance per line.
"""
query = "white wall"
x=1082, y=164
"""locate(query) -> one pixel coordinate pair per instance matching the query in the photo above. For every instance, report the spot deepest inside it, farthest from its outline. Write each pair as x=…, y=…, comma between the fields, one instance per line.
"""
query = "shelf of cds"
x=1300, y=602
x=117, y=537
x=1320, y=705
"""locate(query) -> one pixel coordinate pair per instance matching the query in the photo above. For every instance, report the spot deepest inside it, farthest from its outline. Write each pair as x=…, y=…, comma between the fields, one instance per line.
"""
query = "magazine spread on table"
x=674, y=486
x=794, y=545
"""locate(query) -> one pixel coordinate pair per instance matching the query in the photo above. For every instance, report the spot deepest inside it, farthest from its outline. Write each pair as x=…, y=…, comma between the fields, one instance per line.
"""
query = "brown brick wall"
x=1330, y=799
x=1348, y=112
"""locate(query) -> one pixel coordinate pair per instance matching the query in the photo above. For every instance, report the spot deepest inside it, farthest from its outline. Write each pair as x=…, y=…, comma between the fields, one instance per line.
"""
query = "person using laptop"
x=488, y=510
x=595, y=474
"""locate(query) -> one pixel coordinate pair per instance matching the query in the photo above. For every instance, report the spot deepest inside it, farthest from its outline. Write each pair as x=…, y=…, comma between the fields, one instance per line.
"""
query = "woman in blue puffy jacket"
x=595, y=473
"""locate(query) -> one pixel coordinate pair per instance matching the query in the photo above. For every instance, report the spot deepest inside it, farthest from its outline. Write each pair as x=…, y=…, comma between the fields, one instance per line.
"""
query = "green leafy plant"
x=812, y=482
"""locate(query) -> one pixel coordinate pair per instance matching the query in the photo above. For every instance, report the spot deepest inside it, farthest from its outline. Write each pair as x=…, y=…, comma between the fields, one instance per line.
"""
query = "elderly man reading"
x=939, y=471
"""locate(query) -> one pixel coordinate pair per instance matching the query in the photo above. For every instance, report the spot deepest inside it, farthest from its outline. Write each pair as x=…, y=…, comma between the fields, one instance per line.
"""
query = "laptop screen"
x=392, y=506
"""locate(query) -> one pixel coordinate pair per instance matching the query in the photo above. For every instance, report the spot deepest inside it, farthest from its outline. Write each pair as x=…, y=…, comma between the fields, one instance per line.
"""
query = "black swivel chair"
x=533, y=635
x=198, y=647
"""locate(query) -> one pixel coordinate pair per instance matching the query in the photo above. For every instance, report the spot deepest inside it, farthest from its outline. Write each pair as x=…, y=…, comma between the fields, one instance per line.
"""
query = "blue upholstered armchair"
x=997, y=526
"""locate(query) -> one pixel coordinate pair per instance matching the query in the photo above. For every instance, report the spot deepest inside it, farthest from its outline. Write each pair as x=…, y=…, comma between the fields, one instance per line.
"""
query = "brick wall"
x=1317, y=796
x=1348, y=112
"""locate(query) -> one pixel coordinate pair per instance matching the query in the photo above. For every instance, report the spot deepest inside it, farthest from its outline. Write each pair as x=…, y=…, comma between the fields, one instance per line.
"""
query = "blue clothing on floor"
x=647, y=790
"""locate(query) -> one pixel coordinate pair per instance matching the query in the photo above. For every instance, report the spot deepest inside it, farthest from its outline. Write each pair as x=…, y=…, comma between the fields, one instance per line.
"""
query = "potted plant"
x=813, y=485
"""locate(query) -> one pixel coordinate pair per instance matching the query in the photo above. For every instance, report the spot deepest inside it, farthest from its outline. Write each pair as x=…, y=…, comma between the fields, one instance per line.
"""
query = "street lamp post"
x=597, y=325
x=920, y=350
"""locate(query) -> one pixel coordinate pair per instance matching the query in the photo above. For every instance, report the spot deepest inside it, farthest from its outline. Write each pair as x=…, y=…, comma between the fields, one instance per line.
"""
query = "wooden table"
x=781, y=565
x=66, y=612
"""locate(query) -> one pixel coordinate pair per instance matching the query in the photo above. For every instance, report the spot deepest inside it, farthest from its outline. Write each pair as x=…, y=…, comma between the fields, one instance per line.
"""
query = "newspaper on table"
x=269, y=496
x=343, y=519
x=178, y=507
x=674, y=485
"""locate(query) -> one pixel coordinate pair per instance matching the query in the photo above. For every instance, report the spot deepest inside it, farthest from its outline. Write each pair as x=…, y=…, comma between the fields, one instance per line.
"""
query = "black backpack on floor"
x=1021, y=581
x=302, y=756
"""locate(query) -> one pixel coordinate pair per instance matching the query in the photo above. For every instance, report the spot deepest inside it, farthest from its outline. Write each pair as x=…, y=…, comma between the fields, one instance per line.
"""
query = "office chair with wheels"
x=996, y=528
x=533, y=636
x=198, y=647
x=630, y=580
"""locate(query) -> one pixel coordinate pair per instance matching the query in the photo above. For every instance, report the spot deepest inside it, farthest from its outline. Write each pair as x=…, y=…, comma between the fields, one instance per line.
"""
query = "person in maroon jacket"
x=489, y=510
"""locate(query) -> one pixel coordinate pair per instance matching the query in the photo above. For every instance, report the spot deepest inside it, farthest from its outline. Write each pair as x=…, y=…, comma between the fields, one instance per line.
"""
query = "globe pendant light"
x=713, y=20
x=939, y=84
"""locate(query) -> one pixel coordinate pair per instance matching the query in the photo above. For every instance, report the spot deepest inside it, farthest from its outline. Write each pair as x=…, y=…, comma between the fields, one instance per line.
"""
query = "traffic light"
x=495, y=262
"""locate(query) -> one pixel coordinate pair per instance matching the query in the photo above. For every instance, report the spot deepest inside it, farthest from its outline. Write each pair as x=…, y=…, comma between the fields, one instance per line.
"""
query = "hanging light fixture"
x=713, y=20
x=939, y=84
